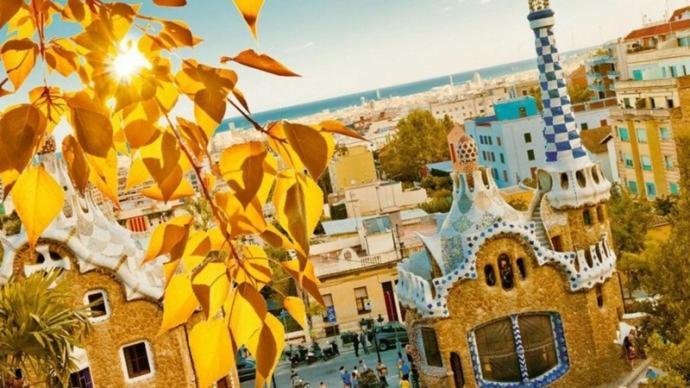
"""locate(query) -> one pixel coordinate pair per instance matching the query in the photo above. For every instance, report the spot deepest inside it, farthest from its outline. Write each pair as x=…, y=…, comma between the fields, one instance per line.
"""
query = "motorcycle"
x=331, y=350
x=315, y=353
x=298, y=356
x=297, y=382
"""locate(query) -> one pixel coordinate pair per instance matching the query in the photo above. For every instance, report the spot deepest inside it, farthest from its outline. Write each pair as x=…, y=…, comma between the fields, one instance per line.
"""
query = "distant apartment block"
x=511, y=143
x=352, y=167
x=655, y=57
x=478, y=104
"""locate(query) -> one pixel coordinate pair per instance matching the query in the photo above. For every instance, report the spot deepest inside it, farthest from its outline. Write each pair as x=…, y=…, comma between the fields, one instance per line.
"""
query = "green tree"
x=630, y=220
x=421, y=139
x=39, y=328
x=579, y=94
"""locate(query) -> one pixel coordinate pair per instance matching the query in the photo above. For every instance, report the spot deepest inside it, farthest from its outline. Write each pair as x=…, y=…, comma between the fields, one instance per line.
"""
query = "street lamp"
x=376, y=338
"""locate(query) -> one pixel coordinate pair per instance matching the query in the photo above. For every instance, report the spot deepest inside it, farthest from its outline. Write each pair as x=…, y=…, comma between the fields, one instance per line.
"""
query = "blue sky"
x=345, y=46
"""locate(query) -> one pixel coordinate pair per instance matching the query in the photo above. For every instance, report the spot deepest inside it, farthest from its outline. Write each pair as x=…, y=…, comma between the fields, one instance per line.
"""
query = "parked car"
x=246, y=369
x=387, y=334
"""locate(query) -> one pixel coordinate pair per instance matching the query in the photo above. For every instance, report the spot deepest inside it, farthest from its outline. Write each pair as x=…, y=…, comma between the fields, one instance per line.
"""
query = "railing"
x=324, y=267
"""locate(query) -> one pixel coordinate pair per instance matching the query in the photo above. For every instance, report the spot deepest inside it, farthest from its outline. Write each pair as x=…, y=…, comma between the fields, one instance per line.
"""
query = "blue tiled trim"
x=547, y=378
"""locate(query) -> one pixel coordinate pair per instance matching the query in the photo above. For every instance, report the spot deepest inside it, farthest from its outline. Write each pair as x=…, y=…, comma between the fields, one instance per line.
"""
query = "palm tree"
x=39, y=328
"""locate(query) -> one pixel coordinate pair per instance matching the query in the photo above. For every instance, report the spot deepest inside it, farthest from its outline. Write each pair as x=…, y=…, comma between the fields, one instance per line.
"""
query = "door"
x=456, y=366
x=389, y=297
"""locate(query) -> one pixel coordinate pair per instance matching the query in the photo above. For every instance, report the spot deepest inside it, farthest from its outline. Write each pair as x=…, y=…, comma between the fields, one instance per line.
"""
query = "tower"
x=505, y=298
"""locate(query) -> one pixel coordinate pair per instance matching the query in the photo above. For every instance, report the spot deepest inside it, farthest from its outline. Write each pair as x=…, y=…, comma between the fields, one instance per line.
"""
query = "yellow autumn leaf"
x=62, y=57
x=179, y=302
x=7, y=10
x=254, y=267
x=249, y=170
x=295, y=306
x=209, y=109
x=251, y=58
x=169, y=238
x=298, y=200
x=8, y=178
x=302, y=271
x=21, y=129
x=91, y=123
x=38, y=199
x=314, y=148
x=103, y=174
x=269, y=344
x=211, y=286
x=50, y=101
x=77, y=166
x=140, y=133
x=334, y=126
x=19, y=58
x=212, y=351
x=247, y=312
x=137, y=174
x=170, y=3
x=250, y=10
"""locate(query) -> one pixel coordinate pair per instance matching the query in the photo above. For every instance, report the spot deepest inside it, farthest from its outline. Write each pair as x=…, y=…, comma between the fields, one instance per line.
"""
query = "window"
x=521, y=268
x=81, y=379
x=584, y=126
x=536, y=338
x=98, y=305
x=523, y=111
x=329, y=312
x=603, y=123
x=600, y=295
x=432, y=354
x=674, y=72
x=587, y=217
x=557, y=243
x=503, y=158
x=674, y=188
x=361, y=299
x=623, y=134
x=641, y=135
x=628, y=160
x=632, y=187
x=528, y=138
x=505, y=176
x=498, y=141
x=505, y=269
x=668, y=162
x=136, y=360
x=452, y=152
x=646, y=162
x=456, y=366
x=600, y=214
x=664, y=134
x=530, y=155
x=651, y=189
x=490, y=275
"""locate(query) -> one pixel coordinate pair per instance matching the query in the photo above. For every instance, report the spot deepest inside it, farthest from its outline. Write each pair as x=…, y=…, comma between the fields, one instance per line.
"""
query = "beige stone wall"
x=589, y=330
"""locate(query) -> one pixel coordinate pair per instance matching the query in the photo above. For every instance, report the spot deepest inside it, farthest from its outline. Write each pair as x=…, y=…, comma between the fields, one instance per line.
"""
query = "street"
x=328, y=371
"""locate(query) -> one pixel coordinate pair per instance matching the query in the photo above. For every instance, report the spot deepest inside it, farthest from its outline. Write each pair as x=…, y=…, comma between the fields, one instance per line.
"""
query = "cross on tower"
x=538, y=5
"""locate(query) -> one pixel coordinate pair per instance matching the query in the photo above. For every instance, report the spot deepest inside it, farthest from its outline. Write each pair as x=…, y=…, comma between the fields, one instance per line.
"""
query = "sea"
x=407, y=89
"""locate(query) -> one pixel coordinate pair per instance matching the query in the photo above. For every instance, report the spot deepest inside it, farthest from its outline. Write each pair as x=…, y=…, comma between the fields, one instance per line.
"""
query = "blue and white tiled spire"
x=569, y=177
x=563, y=144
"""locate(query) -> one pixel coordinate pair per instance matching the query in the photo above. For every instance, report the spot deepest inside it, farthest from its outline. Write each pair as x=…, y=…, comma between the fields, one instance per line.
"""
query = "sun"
x=129, y=60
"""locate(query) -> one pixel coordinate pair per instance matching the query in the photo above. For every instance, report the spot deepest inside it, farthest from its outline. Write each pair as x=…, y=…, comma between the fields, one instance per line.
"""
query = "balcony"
x=600, y=60
x=622, y=113
x=329, y=267
x=597, y=87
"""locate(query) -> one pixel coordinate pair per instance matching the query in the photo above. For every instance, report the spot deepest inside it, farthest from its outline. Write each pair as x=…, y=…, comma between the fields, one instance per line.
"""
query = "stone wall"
x=589, y=330
x=128, y=323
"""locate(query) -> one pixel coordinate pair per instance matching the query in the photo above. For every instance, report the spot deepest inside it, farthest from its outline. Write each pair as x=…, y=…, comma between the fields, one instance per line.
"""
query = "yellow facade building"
x=353, y=167
x=645, y=137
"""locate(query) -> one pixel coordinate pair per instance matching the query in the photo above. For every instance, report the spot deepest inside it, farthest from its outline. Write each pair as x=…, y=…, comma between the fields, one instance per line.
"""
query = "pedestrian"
x=355, y=371
x=405, y=382
x=355, y=378
x=323, y=385
x=363, y=341
x=382, y=371
x=405, y=370
x=345, y=377
x=355, y=343
x=630, y=348
x=363, y=366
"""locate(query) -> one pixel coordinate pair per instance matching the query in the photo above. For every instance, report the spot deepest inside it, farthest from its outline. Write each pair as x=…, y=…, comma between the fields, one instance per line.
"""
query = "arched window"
x=498, y=347
x=587, y=217
x=521, y=268
x=456, y=365
x=490, y=275
x=564, y=181
x=600, y=295
x=505, y=270
x=599, y=255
